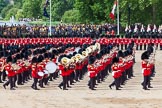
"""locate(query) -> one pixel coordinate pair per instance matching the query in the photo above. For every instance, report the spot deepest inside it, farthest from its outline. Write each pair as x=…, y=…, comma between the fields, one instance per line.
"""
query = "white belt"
x=91, y=71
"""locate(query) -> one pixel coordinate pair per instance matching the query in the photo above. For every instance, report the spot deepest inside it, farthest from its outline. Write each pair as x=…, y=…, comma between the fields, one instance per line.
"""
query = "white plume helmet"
x=148, y=28
x=142, y=28
x=126, y=28
x=135, y=29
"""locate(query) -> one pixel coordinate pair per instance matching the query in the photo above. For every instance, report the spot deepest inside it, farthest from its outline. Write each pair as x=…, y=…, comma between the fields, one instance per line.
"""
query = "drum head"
x=46, y=72
x=51, y=67
x=41, y=74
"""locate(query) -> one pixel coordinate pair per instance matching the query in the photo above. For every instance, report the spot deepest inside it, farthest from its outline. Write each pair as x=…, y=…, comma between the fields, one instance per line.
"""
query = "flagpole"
x=50, y=18
x=118, y=29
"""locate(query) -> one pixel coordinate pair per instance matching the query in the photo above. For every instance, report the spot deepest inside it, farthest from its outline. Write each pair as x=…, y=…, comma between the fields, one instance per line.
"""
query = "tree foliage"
x=71, y=16
x=87, y=11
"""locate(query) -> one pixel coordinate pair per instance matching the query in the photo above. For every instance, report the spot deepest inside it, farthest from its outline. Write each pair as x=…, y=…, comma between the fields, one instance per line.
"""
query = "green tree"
x=5, y=10
x=71, y=16
x=11, y=12
x=32, y=8
x=2, y=5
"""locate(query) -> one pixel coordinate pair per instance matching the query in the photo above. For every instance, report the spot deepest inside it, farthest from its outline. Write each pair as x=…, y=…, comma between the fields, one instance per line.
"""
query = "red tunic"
x=64, y=71
x=146, y=69
x=91, y=71
x=34, y=71
x=8, y=68
x=115, y=71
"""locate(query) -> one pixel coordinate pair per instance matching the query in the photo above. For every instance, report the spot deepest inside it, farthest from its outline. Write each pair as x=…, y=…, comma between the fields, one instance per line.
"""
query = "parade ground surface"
x=79, y=96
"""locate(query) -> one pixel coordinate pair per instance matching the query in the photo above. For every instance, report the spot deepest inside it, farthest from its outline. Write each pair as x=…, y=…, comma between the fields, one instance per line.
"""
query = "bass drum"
x=40, y=74
x=51, y=67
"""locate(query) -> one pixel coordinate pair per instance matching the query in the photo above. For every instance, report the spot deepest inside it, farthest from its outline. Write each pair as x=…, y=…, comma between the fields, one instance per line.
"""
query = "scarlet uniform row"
x=81, y=41
x=125, y=41
x=56, y=41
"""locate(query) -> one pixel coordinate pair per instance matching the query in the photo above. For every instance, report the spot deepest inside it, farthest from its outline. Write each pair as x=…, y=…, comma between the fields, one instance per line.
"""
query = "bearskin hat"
x=144, y=55
x=74, y=53
x=45, y=55
x=129, y=51
x=1, y=54
x=52, y=56
x=34, y=60
x=150, y=49
x=98, y=56
x=55, y=52
x=61, y=56
x=14, y=60
x=9, y=59
x=91, y=59
x=18, y=56
x=120, y=54
x=125, y=53
x=40, y=58
x=80, y=51
x=115, y=60
x=85, y=46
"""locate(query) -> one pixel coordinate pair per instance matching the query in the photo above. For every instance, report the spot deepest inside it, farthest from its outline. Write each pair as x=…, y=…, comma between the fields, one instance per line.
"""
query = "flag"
x=47, y=2
x=45, y=10
x=112, y=16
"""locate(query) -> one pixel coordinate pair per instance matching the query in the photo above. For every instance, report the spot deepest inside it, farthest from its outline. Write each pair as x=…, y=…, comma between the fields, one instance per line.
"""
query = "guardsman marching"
x=115, y=74
x=91, y=72
x=146, y=70
x=10, y=74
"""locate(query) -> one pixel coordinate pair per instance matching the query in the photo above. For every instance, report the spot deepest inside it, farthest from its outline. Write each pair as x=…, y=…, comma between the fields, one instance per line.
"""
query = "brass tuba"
x=65, y=61
x=84, y=53
x=78, y=57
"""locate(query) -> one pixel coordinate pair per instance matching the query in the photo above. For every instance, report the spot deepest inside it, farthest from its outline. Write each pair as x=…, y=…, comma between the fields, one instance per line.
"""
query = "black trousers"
x=98, y=77
x=146, y=82
x=10, y=81
x=77, y=75
x=34, y=85
x=160, y=47
x=116, y=83
x=137, y=47
x=121, y=46
x=1, y=77
x=125, y=46
x=80, y=74
x=64, y=82
x=140, y=47
x=19, y=79
x=72, y=75
x=4, y=75
x=92, y=83
x=41, y=81
x=144, y=46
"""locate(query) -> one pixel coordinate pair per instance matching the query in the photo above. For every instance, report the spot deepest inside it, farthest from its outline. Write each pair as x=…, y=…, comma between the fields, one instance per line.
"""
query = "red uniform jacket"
x=11, y=73
x=146, y=69
x=64, y=71
x=91, y=71
x=115, y=71
x=34, y=71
